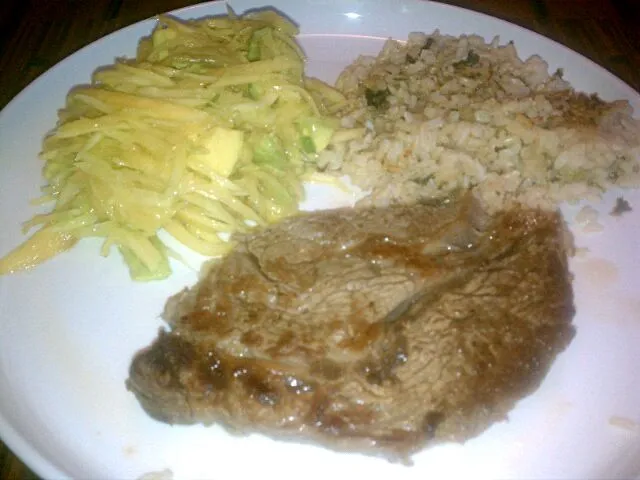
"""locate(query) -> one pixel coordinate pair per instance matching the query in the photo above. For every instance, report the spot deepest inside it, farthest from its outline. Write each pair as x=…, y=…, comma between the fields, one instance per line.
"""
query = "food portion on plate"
x=439, y=113
x=210, y=129
x=376, y=329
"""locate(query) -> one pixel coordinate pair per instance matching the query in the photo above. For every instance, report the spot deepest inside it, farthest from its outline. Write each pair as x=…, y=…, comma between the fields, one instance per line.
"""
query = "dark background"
x=36, y=34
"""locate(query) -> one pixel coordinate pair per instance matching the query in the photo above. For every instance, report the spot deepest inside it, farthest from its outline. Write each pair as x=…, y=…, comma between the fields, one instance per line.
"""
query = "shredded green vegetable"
x=211, y=126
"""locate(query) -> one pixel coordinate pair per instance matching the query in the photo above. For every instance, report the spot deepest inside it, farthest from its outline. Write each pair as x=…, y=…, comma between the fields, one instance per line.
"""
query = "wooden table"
x=36, y=34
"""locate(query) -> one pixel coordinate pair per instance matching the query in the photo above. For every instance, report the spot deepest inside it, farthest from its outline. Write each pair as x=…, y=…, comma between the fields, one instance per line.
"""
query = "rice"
x=439, y=113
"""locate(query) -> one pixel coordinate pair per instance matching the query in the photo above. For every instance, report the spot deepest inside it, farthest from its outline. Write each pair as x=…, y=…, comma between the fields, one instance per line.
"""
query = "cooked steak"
x=377, y=330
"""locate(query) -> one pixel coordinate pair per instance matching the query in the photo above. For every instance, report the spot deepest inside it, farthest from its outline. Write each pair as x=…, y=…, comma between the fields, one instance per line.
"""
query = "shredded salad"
x=209, y=130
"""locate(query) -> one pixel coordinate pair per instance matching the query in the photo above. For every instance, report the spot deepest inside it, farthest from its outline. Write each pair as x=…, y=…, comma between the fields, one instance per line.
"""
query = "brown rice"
x=445, y=113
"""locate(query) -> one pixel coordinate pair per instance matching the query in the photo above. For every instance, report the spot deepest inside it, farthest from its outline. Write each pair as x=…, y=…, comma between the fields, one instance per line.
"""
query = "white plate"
x=69, y=328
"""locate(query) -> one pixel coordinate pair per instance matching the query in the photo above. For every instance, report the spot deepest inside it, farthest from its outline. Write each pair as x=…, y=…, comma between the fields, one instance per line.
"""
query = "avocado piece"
x=255, y=91
x=254, y=50
x=138, y=271
x=315, y=133
x=270, y=151
x=223, y=149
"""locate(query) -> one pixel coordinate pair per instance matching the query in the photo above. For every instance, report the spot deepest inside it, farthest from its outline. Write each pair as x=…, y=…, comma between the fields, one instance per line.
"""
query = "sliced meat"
x=377, y=330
